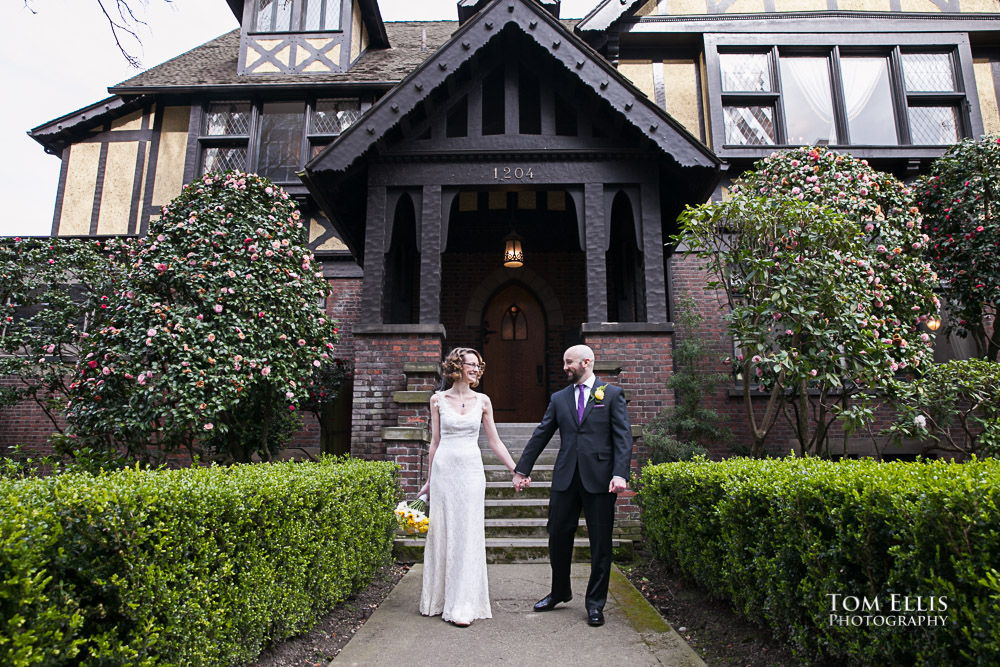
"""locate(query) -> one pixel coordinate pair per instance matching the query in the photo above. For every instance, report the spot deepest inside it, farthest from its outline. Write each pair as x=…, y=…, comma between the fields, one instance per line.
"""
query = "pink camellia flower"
x=129, y=376
x=260, y=314
x=291, y=408
x=50, y=348
x=199, y=317
x=813, y=372
x=979, y=228
x=788, y=332
x=301, y=342
x=756, y=359
x=316, y=363
x=289, y=394
x=106, y=371
x=924, y=337
x=209, y=426
x=777, y=316
x=151, y=333
x=160, y=266
x=52, y=261
x=92, y=363
x=142, y=380
x=211, y=338
x=265, y=371
x=217, y=308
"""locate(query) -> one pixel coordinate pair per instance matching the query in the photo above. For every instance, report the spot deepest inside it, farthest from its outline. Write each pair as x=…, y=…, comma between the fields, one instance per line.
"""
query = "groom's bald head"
x=578, y=363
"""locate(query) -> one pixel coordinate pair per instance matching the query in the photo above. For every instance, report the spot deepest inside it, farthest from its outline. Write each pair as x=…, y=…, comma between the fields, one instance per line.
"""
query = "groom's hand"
x=617, y=485
x=520, y=481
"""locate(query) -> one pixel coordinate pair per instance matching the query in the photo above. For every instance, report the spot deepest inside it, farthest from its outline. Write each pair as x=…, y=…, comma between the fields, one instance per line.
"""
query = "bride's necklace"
x=459, y=398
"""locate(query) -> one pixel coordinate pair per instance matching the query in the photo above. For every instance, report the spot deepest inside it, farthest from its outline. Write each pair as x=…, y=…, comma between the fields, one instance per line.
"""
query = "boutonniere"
x=598, y=394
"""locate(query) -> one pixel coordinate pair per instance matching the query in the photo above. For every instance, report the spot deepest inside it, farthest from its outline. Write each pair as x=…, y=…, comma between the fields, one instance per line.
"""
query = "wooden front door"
x=514, y=351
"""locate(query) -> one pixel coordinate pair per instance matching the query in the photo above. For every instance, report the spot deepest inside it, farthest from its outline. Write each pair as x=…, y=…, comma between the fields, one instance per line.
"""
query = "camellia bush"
x=952, y=407
x=51, y=290
x=960, y=201
x=820, y=259
x=218, y=322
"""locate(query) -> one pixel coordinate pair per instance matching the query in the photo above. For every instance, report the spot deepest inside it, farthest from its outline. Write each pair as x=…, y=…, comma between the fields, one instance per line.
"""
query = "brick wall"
x=25, y=424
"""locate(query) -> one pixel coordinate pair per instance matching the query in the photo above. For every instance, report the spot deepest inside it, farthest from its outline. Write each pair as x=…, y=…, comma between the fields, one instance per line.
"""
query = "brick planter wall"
x=384, y=429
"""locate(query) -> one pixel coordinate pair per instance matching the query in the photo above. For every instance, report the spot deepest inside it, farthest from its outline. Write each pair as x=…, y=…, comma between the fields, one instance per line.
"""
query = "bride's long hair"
x=451, y=367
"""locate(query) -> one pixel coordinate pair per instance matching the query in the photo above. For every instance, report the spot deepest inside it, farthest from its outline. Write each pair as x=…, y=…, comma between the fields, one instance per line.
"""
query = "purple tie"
x=580, y=403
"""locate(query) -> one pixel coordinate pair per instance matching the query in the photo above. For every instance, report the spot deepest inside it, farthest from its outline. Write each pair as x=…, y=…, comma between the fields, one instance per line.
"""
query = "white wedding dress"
x=455, y=583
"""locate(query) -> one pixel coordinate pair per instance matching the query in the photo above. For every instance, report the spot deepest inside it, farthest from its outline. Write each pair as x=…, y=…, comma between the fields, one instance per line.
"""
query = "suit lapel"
x=571, y=400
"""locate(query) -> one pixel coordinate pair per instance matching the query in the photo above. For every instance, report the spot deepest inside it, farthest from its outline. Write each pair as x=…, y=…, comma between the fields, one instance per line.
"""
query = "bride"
x=455, y=583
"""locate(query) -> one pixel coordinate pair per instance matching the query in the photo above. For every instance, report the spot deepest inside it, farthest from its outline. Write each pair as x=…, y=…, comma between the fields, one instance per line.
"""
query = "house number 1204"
x=511, y=173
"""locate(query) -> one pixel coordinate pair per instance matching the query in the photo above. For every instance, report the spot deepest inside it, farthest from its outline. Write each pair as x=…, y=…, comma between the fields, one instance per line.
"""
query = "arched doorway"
x=514, y=351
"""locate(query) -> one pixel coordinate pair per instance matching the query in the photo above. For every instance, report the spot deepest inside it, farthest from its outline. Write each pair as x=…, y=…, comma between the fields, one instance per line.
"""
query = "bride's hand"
x=425, y=490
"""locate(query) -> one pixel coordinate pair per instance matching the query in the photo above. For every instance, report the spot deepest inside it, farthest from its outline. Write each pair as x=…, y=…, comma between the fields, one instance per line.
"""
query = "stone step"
x=502, y=490
x=516, y=508
x=514, y=549
x=526, y=527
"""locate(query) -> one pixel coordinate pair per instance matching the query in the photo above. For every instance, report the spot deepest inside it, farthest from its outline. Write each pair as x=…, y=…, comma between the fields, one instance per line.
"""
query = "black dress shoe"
x=548, y=603
x=595, y=617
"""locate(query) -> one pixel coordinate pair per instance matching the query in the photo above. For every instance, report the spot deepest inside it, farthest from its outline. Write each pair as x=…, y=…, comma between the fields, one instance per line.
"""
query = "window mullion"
x=899, y=97
x=780, y=129
x=839, y=100
x=253, y=144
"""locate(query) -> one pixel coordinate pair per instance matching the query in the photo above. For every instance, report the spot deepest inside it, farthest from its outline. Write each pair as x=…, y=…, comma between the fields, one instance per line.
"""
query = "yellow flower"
x=599, y=393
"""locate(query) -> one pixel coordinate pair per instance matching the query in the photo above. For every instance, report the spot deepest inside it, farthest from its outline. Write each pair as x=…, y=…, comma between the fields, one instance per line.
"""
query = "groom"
x=591, y=469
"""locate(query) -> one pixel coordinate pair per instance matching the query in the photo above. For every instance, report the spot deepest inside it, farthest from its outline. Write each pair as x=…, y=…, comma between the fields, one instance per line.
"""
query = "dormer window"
x=297, y=15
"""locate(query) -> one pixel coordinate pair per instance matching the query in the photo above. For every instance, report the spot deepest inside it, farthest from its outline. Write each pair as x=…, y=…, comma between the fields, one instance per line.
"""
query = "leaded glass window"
x=746, y=72
x=334, y=116
x=227, y=118
x=273, y=16
x=280, y=146
x=321, y=15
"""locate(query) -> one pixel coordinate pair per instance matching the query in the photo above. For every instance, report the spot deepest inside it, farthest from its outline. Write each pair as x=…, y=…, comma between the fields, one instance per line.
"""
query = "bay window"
x=297, y=15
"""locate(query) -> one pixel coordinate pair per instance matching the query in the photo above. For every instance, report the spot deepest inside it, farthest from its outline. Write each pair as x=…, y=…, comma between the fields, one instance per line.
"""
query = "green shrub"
x=185, y=567
x=779, y=537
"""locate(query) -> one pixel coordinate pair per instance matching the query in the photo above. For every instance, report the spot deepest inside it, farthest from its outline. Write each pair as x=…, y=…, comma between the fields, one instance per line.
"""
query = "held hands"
x=617, y=485
x=521, y=482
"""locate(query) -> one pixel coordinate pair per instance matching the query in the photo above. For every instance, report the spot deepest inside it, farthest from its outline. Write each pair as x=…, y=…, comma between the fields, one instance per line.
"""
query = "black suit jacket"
x=601, y=445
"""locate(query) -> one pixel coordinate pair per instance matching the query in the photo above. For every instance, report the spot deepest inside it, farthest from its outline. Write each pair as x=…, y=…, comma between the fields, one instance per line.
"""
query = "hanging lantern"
x=933, y=323
x=513, y=255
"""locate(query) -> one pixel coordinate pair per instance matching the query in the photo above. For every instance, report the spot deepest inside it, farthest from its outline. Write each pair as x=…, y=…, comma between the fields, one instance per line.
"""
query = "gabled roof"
x=54, y=134
x=537, y=24
x=214, y=64
x=605, y=14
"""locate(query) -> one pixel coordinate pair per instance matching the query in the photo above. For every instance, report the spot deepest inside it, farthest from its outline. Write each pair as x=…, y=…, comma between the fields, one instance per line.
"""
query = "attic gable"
x=565, y=50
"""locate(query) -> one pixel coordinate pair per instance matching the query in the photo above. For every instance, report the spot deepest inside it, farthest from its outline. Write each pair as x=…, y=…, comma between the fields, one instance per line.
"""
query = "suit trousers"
x=564, y=517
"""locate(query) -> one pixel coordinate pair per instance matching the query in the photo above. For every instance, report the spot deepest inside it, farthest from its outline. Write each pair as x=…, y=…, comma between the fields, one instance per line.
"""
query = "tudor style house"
x=508, y=180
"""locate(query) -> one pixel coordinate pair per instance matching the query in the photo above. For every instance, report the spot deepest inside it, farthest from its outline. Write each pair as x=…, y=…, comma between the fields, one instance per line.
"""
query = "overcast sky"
x=62, y=57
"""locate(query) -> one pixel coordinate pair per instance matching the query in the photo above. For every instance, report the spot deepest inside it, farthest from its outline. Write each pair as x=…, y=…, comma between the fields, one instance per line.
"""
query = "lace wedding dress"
x=455, y=583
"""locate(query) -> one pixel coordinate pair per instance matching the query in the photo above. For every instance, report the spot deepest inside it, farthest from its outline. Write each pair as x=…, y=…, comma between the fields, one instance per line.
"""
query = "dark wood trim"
x=61, y=190
x=596, y=246
x=136, y=206
x=430, y=255
x=111, y=136
x=659, y=93
x=374, y=261
x=652, y=245
x=192, y=157
x=102, y=165
x=869, y=23
x=154, y=152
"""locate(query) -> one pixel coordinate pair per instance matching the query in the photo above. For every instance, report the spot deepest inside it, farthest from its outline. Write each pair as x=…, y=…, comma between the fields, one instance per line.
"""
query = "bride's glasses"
x=472, y=365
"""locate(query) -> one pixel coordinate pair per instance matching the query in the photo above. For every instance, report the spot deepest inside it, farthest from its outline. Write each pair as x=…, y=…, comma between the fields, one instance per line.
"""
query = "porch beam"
x=652, y=241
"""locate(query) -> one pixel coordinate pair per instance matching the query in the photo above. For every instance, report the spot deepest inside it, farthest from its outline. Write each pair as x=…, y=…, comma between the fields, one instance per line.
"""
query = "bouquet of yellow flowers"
x=411, y=518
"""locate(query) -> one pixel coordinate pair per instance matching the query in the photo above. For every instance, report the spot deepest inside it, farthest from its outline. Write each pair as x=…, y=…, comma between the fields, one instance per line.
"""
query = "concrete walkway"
x=634, y=634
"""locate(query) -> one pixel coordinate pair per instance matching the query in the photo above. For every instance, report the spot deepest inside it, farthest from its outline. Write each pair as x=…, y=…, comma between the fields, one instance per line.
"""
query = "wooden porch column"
x=595, y=247
x=372, y=290
x=652, y=241
x=430, y=256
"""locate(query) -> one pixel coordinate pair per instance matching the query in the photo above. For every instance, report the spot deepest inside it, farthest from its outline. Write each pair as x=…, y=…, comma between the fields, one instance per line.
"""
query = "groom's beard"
x=574, y=376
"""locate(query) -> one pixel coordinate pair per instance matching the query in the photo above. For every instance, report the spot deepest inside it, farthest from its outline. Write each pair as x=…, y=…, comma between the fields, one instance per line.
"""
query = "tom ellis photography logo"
x=890, y=610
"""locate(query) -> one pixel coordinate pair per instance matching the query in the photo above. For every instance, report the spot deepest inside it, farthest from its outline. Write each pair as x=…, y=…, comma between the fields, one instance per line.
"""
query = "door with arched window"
x=514, y=351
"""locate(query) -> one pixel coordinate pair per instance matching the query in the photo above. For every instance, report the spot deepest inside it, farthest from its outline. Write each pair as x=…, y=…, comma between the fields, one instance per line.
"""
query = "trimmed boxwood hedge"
x=202, y=566
x=780, y=537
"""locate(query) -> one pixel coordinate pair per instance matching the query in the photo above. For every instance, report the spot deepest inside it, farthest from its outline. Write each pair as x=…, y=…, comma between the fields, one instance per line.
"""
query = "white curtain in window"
x=812, y=78
x=861, y=78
